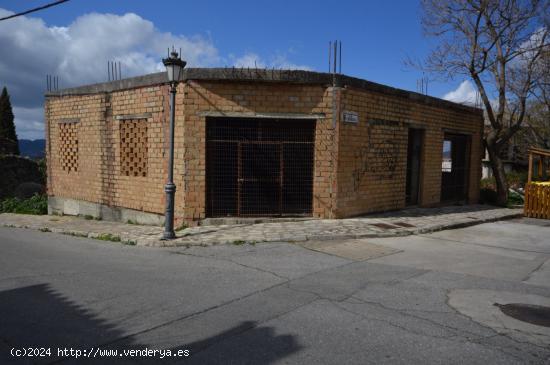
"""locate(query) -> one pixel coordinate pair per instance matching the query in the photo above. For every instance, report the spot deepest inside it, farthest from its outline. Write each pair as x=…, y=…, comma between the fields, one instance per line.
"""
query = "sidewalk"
x=390, y=224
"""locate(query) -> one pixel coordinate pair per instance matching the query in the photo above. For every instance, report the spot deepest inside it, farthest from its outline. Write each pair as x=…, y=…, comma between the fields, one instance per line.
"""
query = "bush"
x=514, y=199
x=43, y=168
x=27, y=190
x=515, y=180
x=37, y=204
x=16, y=170
x=488, y=183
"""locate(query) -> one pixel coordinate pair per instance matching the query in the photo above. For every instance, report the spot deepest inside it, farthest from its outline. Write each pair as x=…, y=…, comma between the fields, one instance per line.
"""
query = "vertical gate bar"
x=281, y=176
x=239, y=178
x=530, y=174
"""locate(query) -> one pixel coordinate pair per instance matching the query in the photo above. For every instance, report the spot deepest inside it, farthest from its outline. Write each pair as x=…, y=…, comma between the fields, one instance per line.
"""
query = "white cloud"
x=29, y=122
x=281, y=62
x=253, y=60
x=466, y=93
x=78, y=54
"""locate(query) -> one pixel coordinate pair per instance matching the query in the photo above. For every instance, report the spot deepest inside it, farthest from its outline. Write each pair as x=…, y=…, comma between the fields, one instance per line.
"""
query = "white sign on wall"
x=350, y=117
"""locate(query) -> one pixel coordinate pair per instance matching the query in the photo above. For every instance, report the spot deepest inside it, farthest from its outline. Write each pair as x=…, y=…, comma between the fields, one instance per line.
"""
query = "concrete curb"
x=118, y=238
x=153, y=241
x=400, y=233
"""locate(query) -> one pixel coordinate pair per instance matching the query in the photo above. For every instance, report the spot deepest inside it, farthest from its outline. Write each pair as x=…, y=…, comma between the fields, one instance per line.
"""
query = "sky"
x=76, y=39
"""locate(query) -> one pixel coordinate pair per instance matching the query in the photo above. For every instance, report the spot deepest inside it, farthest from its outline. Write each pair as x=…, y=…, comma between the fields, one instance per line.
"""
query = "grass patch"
x=45, y=229
x=37, y=204
x=243, y=242
x=90, y=217
x=108, y=237
x=75, y=234
x=131, y=221
x=102, y=237
x=114, y=238
x=181, y=227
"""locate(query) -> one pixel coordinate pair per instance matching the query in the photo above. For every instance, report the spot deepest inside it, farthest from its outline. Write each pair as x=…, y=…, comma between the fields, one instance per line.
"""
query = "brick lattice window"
x=133, y=147
x=68, y=146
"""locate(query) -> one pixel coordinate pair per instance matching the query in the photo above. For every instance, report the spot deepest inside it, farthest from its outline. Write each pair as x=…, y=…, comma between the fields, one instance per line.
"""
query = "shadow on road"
x=39, y=317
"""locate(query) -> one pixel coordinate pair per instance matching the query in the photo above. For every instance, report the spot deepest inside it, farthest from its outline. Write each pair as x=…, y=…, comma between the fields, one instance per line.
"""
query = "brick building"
x=257, y=143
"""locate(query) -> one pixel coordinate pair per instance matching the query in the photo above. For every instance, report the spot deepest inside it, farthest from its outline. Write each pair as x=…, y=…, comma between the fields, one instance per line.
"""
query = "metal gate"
x=259, y=167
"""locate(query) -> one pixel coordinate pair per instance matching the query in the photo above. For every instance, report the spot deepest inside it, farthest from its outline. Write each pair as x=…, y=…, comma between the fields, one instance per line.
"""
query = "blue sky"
x=376, y=35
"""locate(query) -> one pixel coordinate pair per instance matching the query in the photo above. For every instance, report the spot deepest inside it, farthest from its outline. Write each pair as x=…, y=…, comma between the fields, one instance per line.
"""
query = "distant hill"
x=32, y=148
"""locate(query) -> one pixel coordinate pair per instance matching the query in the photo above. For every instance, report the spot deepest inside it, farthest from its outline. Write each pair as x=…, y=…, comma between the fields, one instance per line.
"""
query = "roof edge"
x=261, y=75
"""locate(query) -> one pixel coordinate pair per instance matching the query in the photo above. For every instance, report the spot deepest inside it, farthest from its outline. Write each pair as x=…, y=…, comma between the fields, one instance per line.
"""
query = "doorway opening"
x=455, y=168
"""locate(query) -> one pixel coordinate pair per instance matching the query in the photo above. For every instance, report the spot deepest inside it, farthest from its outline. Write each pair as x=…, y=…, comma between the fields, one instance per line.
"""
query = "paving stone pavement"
x=389, y=224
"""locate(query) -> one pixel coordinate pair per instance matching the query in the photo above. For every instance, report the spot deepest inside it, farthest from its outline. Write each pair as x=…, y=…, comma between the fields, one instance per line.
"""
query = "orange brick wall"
x=89, y=112
x=199, y=98
x=372, y=158
x=358, y=168
x=99, y=178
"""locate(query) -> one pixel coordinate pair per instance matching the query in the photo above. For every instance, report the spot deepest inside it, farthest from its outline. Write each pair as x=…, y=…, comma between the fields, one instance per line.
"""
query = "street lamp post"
x=174, y=69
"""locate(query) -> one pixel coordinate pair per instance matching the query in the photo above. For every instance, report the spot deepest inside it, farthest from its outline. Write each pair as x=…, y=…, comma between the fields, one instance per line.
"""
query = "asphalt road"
x=430, y=302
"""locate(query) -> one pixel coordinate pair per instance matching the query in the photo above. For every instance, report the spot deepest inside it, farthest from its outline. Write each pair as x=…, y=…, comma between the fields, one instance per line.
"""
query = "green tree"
x=7, y=127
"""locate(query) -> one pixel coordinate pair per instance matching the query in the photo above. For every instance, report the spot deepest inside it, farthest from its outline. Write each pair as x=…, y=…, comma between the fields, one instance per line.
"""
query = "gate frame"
x=289, y=117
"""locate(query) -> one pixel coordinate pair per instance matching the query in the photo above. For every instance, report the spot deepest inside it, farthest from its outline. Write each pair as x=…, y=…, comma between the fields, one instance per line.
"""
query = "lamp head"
x=174, y=67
